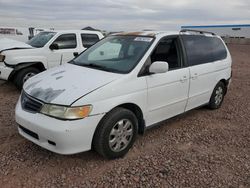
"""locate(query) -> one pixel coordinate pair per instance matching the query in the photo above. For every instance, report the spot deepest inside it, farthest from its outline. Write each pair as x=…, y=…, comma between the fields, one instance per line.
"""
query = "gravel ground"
x=201, y=148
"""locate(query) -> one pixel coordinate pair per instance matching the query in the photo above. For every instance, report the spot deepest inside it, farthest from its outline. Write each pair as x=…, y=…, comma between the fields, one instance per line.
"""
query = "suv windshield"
x=118, y=54
x=40, y=39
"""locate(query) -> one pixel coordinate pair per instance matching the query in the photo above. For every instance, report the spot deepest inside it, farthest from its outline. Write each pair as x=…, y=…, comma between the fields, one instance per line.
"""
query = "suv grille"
x=29, y=104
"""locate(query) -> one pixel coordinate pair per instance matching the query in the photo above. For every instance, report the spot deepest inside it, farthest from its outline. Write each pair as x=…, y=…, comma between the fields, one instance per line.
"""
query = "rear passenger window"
x=66, y=41
x=89, y=39
x=203, y=49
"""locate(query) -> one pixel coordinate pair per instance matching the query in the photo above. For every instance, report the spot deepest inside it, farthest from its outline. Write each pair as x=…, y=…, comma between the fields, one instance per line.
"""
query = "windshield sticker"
x=143, y=39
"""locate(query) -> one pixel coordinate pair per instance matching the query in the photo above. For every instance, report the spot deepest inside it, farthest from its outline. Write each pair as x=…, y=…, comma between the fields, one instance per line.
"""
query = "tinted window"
x=167, y=51
x=66, y=41
x=203, y=49
x=89, y=39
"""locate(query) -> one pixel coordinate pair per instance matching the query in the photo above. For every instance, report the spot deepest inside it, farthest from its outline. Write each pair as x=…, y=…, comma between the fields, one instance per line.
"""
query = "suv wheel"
x=23, y=75
x=116, y=133
x=217, y=96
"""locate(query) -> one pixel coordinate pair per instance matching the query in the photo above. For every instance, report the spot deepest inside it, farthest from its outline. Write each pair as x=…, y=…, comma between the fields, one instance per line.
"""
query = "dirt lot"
x=201, y=148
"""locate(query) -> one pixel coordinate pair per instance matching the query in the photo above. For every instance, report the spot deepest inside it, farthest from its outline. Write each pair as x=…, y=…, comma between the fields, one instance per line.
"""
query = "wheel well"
x=21, y=66
x=39, y=66
x=133, y=108
x=225, y=82
x=138, y=113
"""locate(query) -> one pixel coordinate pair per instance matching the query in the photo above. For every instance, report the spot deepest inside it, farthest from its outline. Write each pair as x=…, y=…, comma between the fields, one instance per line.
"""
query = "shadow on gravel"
x=6, y=86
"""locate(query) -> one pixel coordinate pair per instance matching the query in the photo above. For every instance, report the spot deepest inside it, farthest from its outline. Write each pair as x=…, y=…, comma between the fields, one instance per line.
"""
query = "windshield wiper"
x=94, y=66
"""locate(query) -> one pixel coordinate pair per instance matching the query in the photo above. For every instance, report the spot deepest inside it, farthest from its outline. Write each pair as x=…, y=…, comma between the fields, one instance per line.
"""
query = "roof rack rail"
x=196, y=31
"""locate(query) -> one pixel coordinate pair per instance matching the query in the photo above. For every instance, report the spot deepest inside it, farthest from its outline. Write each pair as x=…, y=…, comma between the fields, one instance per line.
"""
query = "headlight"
x=2, y=58
x=67, y=113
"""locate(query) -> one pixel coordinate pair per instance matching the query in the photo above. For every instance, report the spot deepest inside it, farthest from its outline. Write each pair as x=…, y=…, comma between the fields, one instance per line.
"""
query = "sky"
x=122, y=15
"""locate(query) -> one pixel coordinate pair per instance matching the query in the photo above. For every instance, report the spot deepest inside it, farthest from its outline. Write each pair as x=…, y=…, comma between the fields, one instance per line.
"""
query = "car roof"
x=73, y=31
x=157, y=34
x=147, y=33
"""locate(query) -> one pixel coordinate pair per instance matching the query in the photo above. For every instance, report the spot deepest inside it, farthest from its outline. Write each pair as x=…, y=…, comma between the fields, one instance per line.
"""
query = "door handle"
x=194, y=76
x=183, y=79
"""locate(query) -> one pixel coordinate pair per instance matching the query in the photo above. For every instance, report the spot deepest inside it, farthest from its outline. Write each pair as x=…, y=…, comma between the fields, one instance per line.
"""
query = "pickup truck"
x=19, y=61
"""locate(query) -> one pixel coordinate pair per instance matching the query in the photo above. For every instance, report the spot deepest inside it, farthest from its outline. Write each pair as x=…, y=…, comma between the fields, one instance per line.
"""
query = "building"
x=20, y=33
x=225, y=31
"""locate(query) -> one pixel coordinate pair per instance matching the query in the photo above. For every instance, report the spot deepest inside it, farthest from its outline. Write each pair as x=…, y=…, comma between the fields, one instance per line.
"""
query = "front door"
x=167, y=92
x=67, y=44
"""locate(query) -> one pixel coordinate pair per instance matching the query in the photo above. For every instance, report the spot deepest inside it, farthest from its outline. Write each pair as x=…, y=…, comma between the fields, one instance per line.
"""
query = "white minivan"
x=120, y=87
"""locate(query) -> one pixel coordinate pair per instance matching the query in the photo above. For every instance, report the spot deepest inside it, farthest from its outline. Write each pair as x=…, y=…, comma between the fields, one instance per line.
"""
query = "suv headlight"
x=2, y=58
x=66, y=113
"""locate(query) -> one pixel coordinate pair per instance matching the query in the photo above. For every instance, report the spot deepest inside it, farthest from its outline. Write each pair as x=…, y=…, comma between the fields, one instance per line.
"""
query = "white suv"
x=120, y=87
x=20, y=61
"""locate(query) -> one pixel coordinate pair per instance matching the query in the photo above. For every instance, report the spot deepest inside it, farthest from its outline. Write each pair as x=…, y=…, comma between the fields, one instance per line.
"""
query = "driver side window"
x=66, y=41
x=167, y=51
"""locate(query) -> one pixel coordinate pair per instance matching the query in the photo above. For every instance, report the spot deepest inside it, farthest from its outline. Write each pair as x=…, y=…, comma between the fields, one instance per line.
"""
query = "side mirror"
x=159, y=67
x=54, y=46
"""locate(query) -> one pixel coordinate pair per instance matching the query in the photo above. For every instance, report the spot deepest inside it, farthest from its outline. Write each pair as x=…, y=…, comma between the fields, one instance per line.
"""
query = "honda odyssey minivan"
x=120, y=87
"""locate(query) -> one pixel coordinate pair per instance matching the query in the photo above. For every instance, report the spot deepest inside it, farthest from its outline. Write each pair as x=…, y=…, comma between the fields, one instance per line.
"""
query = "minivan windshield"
x=40, y=39
x=119, y=54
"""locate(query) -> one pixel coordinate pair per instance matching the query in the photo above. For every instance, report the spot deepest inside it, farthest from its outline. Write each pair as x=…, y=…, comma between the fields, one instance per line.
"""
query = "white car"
x=120, y=87
x=19, y=61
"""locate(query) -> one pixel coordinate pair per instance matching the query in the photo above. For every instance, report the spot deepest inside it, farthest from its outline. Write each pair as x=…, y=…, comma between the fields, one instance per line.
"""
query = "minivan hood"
x=65, y=84
x=8, y=44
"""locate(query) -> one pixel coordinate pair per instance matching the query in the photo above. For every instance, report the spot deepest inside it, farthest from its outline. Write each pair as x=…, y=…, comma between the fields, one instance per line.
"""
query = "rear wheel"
x=116, y=133
x=23, y=75
x=217, y=96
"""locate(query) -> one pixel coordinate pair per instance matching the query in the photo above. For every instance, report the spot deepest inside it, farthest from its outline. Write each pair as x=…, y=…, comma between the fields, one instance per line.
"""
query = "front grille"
x=29, y=104
x=27, y=131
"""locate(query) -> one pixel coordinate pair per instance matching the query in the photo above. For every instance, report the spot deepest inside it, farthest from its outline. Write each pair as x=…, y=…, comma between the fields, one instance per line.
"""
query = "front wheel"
x=116, y=133
x=23, y=75
x=217, y=96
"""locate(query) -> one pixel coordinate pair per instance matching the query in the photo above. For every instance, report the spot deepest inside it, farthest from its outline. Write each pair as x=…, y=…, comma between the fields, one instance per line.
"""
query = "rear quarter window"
x=203, y=49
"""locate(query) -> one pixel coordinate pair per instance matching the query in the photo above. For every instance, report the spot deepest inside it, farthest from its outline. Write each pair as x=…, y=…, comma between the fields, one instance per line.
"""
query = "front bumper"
x=63, y=137
x=5, y=71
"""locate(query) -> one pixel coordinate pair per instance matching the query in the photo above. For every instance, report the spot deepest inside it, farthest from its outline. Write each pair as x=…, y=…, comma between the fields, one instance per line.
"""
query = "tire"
x=112, y=142
x=23, y=75
x=217, y=96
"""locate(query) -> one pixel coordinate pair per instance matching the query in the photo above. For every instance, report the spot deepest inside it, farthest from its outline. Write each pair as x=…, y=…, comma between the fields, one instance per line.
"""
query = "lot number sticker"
x=143, y=39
